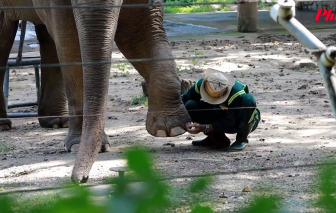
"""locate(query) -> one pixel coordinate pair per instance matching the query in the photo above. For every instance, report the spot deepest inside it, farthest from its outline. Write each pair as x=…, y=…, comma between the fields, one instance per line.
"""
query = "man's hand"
x=195, y=128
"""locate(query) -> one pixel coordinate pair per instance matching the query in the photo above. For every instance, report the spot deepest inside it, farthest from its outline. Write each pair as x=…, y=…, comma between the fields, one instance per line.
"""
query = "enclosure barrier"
x=25, y=62
x=284, y=13
x=326, y=61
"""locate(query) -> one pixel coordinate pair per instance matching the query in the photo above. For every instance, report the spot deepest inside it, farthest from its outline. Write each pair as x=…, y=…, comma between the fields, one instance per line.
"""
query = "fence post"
x=6, y=86
x=299, y=5
x=247, y=13
x=37, y=81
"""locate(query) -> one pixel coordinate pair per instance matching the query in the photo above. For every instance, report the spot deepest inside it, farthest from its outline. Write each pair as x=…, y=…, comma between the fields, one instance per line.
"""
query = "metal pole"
x=329, y=77
x=21, y=115
x=284, y=14
x=24, y=62
x=299, y=31
x=24, y=104
x=37, y=81
x=302, y=34
x=6, y=86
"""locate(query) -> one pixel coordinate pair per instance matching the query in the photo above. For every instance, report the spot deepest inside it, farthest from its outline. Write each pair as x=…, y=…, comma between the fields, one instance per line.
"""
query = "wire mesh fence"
x=154, y=60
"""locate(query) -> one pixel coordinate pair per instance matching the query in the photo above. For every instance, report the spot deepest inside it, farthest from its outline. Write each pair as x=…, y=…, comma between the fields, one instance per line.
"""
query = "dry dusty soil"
x=297, y=126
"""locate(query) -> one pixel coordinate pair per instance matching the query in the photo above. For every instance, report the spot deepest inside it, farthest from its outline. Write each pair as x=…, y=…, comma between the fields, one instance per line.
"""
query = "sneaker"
x=238, y=146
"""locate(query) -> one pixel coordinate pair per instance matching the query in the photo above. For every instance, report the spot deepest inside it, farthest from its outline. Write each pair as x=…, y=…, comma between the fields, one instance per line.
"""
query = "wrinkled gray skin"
x=185, y=86
x=87, y=35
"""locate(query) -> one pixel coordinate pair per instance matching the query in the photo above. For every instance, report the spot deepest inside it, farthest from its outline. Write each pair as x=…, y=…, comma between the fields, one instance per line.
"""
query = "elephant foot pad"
x=104, y=148
x=5, y=127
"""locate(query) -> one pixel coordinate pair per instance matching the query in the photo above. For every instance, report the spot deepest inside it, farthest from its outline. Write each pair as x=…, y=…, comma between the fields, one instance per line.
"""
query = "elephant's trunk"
x=96, y=28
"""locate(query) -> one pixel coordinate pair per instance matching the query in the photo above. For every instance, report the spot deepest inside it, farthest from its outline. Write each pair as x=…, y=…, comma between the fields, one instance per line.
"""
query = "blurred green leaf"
x=5, y=206
x=200, y=185
x=202, y=209
x=149, y=195
x=263, y=204
x=78, y=203
x=327, y=188
x=152, y=195
x=140, y=162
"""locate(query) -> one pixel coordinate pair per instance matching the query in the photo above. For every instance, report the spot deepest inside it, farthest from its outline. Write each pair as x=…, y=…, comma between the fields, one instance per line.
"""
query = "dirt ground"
x=297, y=125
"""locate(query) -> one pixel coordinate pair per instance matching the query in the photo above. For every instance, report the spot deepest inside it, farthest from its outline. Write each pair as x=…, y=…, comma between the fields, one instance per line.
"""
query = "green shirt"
x=239, y=107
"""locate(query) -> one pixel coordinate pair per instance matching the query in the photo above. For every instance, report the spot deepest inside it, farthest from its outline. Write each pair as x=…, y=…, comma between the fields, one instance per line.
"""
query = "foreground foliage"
x=149, y=194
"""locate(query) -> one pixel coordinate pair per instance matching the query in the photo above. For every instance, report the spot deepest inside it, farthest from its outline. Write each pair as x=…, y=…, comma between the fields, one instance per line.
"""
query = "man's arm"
x=193, y=93
x=222, y=125
x=195, y=128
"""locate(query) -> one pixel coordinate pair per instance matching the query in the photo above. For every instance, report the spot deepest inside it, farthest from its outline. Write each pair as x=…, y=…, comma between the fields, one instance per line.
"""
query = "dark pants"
x=204, y=113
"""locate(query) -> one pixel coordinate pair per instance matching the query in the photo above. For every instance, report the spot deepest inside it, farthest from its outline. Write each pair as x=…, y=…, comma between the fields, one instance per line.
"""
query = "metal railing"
x=35, y=62
x=284, y=14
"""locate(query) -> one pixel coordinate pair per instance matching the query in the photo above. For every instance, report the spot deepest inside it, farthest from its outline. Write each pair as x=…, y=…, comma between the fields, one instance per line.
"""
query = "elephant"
x=84, y=31
x=186, y=84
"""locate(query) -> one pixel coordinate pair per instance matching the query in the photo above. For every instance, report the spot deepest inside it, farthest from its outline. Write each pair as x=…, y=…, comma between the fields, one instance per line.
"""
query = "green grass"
x=122, y=66
x=265, y=6
x=139, y=100
x=206, y=8
x=196, y=8
x=195, y=61
x=4, y=147
x=25, y=204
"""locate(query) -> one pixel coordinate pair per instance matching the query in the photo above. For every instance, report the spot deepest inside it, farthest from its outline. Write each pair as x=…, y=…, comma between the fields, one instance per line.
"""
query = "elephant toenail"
x=176, y=131
x=161, y=133
x=55, y=126
x=105, y=148
x=5, y=127
x=78, y=179
x=66, y=124
x=74, y=148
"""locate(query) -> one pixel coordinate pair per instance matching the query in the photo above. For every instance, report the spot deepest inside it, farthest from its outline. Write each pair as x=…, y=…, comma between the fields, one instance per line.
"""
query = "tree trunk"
x=247, y=16
x=299, y=5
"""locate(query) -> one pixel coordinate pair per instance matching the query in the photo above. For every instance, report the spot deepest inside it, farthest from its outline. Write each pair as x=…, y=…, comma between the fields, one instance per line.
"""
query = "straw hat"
x=216, y=86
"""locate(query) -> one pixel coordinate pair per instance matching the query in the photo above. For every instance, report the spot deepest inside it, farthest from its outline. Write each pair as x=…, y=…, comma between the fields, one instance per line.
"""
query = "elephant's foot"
x=106, y=146
x=80, y=172
x=72, y=143
x=54, y=122
x=86, y=157
x=167, y=122
x=5, y=124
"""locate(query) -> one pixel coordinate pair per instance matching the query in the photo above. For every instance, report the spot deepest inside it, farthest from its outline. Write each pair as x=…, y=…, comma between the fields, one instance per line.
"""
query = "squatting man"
x=219, y=104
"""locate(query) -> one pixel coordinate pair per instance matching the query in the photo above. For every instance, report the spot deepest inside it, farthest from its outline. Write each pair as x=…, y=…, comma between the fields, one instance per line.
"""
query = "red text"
x=328, y=14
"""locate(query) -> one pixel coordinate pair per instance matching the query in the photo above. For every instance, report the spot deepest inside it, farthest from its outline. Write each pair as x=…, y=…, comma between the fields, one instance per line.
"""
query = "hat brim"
x=207, y=98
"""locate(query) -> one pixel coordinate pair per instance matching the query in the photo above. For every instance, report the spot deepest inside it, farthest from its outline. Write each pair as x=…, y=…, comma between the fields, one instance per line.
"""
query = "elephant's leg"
x=53, y=102
x=73, y=79
x=96, y=27
x=62, y=28
x=7, y=36
x=140, y=34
